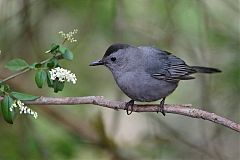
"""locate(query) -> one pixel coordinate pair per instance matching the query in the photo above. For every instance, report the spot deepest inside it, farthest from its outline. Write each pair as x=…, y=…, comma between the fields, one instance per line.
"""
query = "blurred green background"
x=202, y=32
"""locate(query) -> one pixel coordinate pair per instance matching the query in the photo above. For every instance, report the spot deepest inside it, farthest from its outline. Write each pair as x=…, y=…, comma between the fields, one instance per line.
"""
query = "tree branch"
x=185, y=110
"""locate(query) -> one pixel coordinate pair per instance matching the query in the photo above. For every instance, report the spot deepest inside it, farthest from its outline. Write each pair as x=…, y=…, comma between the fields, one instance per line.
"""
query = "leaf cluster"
x=42, y=76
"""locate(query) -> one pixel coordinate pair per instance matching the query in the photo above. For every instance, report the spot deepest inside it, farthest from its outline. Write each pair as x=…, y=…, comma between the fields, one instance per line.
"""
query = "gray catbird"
x=146, y=73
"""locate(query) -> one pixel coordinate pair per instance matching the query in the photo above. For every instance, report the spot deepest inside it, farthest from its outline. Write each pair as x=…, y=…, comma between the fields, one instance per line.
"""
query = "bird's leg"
x=129, y=105
x=161, y=107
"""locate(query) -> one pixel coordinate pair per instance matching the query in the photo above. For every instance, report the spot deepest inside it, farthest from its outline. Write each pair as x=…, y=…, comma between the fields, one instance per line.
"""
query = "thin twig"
x=185, y=110
x=15, y=75
x=22, y=71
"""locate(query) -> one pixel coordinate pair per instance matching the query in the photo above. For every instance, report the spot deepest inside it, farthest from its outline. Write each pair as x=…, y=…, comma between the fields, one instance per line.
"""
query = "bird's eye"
x=113, y=59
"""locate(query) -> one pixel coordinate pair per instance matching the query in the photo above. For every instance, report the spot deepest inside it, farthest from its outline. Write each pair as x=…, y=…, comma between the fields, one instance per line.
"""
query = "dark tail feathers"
x=206, y=69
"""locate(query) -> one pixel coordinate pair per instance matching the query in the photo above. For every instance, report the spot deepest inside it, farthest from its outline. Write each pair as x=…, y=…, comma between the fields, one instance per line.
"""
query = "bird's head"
x=115, y=57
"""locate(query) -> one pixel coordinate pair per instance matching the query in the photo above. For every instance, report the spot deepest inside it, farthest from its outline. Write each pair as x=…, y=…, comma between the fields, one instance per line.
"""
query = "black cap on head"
x=114, y=48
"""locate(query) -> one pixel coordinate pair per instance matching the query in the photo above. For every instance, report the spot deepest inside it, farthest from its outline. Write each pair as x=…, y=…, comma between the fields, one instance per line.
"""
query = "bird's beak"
x=97, y=63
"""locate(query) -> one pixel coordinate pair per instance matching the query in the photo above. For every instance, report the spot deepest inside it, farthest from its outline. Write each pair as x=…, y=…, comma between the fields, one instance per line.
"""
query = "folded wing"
x=173, y=69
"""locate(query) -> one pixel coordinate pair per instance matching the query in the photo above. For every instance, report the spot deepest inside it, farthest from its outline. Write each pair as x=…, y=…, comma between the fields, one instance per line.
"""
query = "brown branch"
x=185, y=110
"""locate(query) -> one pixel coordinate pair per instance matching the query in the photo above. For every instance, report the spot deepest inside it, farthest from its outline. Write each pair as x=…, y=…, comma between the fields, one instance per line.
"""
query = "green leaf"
x=49, y=80
x=68, y=55
x=62, y=49
x=54, y=48
x=35, y=65
x=40, y=78
x=52, y=63
x=8, y=115
x=23, y=96
x=16, y=64
x=58, y=86
x=4, y=88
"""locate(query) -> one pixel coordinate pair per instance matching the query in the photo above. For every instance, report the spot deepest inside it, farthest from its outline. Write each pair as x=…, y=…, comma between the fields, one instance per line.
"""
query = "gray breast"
x=140, y=86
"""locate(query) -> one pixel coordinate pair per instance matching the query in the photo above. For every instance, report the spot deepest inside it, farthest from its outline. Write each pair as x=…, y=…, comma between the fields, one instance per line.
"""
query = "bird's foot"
x=161, y=107
x=129, y=107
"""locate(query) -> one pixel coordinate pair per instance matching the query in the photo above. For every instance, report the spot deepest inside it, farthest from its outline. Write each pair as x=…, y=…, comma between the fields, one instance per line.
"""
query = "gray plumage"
x=146, y=73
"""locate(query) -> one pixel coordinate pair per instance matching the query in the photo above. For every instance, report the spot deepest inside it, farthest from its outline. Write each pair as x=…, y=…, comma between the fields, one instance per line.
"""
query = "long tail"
x=206, y=69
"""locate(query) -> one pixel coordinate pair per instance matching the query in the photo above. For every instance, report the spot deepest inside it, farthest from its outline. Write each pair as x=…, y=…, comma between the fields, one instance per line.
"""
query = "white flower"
x=62, y=75
x=69, y=36
x=23, y=109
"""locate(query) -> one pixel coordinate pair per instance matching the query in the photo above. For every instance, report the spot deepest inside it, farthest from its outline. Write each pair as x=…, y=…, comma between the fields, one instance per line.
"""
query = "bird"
x=147, y=74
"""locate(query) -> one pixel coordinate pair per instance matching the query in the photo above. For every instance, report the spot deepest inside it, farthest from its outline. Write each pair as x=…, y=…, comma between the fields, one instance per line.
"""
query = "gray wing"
x=170, y=68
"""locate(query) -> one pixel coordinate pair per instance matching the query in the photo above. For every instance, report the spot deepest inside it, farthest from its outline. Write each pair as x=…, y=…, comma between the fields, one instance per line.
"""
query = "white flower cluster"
x=23, y=109
x=69, y=36
x=62, y=75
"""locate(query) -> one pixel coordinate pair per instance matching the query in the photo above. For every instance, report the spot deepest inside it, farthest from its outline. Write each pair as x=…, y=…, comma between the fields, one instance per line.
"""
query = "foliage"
x=57, y=52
